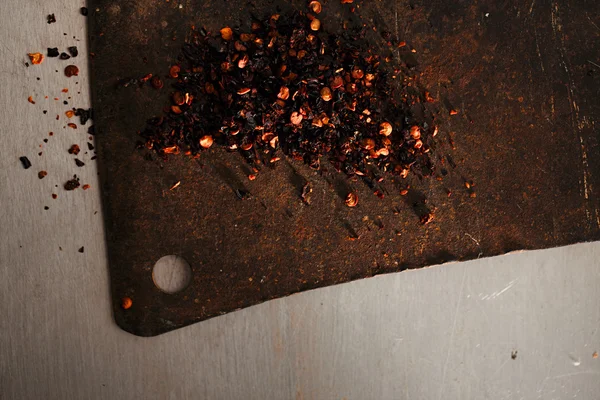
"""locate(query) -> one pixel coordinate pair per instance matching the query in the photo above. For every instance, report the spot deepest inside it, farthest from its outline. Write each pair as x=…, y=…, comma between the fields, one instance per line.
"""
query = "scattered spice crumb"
x=65, y=90
x=79, y=163
x=72, y=184
x=72, y=125
x=453, y=112
x=595, y=354
x=73, y=51
x=84, y=11
x=53, y=52
x=36, y=58
x=71, y=70
x=175, y=185
x=46, y=208
x=42, y=174
x=54, y=196
x=51, y=18
x=30, y=99
x=74, y=149
x=25, y=161
x=86, y=187
x=80, y=249
x=64, y=56
x=513, y=355
x=90, y=146
x=69, y=114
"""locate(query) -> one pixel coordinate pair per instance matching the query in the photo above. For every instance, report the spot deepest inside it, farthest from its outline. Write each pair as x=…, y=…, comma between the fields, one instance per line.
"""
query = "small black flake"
x=90, y=146
x=51, y=19
x=84, y=115
x=53, y=52
x=79, y=163
x=64, y=56
x=81, y=249
x=25, y=161
x=46, y=208
x=73, y=51
x=91, y=130
x=84, y=11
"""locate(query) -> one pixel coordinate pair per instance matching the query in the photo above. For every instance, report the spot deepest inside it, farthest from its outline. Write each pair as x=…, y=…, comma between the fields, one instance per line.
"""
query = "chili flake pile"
x=288, y=86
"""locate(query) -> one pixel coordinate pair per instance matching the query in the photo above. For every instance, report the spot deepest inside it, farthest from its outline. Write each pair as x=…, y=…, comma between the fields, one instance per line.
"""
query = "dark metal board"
x=522, y=75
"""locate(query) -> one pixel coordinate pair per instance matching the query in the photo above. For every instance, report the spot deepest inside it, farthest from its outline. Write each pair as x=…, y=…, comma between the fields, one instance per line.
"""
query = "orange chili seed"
x=126, y=303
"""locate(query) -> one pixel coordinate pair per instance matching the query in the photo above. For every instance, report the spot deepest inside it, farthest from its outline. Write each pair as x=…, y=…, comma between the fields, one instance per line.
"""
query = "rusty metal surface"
x=526, y=135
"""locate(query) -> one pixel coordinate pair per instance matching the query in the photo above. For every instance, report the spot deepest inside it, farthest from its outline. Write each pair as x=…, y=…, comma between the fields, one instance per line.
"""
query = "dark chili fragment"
x=53, y=52
x=51, y=18
x=73, y=51
x=79, y=163
x=84, y=11
x=25, y=161
x=72, y=184
x=64, y=56
x=71, y=70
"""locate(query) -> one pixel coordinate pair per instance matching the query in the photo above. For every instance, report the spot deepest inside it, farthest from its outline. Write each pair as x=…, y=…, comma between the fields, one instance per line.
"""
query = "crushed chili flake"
x=30, y=99
x=79, y=163
x=72, y=184
x=69, y=114
x=85, y=187
x=54, y=196
x=71, y=70
x=52, y=52
x=64, y=56
x=74, y=149
x=36, y=58
x=51, y=18
x=72, y=125
x=25, y=162
x=81, y=249
x=73, y=51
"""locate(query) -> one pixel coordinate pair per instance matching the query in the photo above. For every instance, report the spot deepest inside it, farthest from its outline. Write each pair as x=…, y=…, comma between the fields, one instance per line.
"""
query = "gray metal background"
x=436, y=333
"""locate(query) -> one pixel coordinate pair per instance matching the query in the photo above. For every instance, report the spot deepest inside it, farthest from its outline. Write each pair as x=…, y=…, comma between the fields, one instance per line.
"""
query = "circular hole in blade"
x=172, y=274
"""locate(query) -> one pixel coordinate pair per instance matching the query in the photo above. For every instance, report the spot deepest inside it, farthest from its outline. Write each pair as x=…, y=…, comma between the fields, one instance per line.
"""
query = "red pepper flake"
x=42, y=174
x=71, y=70
x=69, y=114
x=251, y=177
x=85, y=187
x=72, y=125
x=65, y=90
x=402, y=44
x=146, y=78
x=453, y=112
x=30, y=99
x=54, y=196
x=57, y=117
x=74, y=149
x=36, y=58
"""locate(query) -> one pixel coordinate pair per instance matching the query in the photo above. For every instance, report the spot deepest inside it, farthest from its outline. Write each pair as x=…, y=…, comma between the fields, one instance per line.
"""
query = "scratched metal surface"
x=525, y=134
